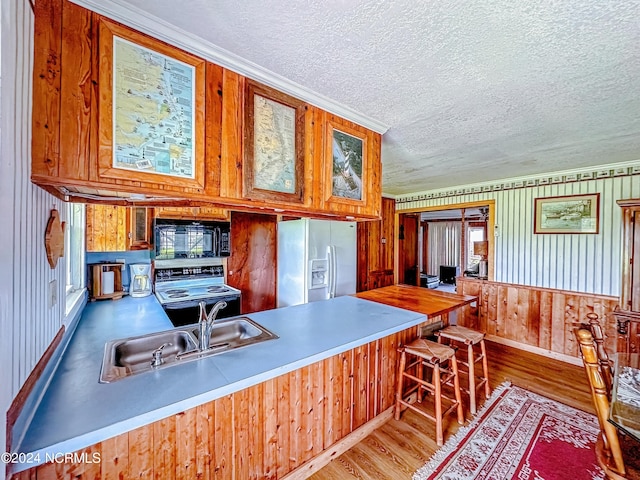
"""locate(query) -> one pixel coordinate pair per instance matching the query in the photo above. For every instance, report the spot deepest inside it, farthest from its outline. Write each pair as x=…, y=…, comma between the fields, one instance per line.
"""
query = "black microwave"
x=191, y=239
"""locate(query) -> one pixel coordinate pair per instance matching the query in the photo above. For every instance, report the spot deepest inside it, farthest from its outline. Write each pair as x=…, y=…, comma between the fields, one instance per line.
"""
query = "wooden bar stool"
x=470, y=338
x=414, y=357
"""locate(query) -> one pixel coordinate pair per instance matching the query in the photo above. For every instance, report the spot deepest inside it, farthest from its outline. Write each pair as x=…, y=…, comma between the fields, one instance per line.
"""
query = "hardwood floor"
x=399, y=448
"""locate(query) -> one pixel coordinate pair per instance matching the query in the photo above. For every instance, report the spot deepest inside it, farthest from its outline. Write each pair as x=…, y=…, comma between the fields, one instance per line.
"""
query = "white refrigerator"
x=316, y=260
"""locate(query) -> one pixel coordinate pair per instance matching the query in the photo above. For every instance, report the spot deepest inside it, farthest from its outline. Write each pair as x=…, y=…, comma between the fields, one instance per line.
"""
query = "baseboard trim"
x=334, y=451
x=537, y=350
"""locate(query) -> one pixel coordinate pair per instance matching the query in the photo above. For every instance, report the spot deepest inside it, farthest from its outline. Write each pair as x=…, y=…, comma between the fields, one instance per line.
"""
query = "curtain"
x=444, y=245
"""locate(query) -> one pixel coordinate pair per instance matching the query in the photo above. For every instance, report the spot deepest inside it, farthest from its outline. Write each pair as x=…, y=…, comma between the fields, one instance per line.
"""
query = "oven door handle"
x=194, y=303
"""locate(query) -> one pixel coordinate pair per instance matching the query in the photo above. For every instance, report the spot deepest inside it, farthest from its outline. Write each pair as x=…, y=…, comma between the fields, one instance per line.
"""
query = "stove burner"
x=216, y=289
x=176, y=291
x=178, y=295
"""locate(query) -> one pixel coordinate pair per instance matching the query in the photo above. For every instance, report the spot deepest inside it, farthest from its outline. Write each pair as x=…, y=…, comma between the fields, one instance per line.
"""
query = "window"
x=74, y=238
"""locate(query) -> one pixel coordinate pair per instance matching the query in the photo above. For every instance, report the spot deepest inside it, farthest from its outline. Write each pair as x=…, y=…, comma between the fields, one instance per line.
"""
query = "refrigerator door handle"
x=333, y=266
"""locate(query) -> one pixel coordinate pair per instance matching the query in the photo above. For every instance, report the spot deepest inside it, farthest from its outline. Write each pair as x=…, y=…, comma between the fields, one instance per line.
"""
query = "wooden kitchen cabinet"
x=375, y=265
x=112, y=228
x=72, y=141
x=630, y=293
x=251, y=268
x=72, y=148
x=352, y=179
x=628, y=315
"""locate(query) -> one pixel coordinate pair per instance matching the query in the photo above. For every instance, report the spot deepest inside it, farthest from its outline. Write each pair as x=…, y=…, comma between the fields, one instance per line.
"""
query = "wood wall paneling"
x=533, y=316
x=314, y=152
x=408, y=248
x=375, y=249
x=251, y=267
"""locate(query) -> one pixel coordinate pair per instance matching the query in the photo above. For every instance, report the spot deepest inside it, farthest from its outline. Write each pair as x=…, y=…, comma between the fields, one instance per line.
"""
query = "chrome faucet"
x=206, y=323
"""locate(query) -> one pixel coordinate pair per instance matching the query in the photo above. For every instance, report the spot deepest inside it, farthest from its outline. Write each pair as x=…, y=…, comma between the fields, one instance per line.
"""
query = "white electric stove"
x=180, y=286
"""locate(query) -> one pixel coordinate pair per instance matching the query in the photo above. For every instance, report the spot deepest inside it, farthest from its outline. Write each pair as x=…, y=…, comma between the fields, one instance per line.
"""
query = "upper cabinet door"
x=140, y=224
x=152, y=107
x=274, y=136
x=352, y=168
x=111, y=228
x=630, y=292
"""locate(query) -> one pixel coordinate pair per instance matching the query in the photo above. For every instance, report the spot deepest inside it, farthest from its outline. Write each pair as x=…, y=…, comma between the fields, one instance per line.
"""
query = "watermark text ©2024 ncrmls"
x=37, y=458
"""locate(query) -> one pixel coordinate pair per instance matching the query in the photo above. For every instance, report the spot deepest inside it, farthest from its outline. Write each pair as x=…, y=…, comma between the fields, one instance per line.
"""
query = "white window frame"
x=74, y=247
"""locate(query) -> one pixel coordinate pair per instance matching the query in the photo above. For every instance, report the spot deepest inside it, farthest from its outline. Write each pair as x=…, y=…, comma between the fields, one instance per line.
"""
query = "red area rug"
x=519, y=435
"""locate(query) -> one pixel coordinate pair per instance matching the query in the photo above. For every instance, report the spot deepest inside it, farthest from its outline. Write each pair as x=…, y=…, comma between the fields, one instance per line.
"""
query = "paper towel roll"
x=107, y=283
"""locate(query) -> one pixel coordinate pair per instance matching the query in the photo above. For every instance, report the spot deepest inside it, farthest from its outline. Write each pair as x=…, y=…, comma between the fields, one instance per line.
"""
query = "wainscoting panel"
x=535, y=317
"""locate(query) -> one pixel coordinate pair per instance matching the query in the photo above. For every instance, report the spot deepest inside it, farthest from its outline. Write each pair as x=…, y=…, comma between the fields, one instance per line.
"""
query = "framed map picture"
x=568, y=214
x=274, y=135
x=151, y=106
x=153, y=111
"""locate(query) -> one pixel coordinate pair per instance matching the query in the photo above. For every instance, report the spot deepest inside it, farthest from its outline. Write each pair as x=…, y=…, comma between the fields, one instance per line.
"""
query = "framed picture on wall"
x=274, y=134
x=151, y=110
x=567, y=214
x=345, y=154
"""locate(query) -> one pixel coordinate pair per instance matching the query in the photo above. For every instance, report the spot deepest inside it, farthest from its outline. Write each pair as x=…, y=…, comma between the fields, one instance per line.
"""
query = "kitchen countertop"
x=433, y=303
x=77, y=411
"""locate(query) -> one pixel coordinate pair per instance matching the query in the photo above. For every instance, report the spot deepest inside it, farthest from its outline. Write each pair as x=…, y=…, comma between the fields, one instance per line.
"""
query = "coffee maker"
x=140, y=282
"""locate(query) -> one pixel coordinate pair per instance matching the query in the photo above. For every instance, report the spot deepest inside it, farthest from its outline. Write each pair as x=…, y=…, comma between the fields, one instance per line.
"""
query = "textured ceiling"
x=472, y=90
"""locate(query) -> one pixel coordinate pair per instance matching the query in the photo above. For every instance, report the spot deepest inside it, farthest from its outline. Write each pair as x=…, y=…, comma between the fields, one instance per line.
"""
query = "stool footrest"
x=423, y=411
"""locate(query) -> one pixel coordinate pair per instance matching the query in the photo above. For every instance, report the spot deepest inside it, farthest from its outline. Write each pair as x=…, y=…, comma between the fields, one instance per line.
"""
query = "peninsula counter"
x=259, y=411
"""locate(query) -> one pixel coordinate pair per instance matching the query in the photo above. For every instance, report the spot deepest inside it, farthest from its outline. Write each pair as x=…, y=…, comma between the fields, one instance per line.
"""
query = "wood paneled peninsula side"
x=263, y=411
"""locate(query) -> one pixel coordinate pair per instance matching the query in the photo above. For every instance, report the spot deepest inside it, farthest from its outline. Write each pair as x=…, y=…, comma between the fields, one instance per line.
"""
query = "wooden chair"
x=414, y=357
x=609, y=452
x=606, y=365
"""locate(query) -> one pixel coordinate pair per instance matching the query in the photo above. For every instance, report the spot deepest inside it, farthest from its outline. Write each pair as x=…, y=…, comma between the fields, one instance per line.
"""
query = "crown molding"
x=141, y=21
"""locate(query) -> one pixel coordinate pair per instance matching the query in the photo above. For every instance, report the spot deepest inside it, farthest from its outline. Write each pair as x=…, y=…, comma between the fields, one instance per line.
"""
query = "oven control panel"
x=185, y=273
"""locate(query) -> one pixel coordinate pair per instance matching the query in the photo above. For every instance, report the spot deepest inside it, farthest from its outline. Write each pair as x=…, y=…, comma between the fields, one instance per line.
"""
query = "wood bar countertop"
x=432, y=303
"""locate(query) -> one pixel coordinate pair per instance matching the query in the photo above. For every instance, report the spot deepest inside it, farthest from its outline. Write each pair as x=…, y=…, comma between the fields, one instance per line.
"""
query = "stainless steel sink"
x=229, y=334
x=134, y=355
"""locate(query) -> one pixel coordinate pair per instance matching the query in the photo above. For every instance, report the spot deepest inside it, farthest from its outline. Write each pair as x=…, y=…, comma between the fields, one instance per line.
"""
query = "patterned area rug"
x=519, y=435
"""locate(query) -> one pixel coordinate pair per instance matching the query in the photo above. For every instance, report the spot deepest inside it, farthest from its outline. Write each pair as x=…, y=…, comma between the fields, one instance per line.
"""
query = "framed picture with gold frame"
x=152, y=103
x=567, y=214
x=345, y=157
x=273, y=166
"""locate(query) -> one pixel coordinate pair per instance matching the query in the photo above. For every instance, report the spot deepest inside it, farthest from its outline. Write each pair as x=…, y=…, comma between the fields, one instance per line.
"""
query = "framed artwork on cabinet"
x=151, y=120
x=345, y=154
x=274, y=145
x=567, y=214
